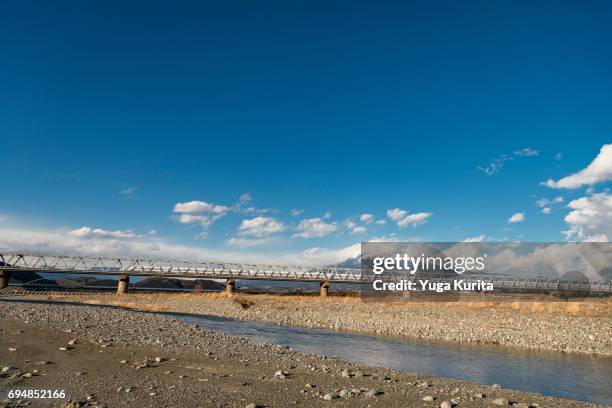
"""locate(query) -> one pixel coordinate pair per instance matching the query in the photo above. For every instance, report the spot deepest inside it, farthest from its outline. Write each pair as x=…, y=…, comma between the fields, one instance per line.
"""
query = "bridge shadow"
x=115, y=307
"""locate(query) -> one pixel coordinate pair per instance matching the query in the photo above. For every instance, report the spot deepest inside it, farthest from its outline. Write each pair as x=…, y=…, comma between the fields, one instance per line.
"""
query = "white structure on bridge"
x=10, y=262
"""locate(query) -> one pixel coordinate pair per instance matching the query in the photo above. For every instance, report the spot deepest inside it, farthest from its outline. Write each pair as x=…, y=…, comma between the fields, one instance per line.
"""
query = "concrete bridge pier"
x=5, y=276
x=323, y=288
x=122, y=287
x=229, y=286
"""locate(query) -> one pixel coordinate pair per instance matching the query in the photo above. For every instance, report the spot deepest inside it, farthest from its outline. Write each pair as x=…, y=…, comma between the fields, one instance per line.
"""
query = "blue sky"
x=114, y=113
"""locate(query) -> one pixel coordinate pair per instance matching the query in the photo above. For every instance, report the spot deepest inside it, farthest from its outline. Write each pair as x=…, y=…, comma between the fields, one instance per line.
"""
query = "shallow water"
x=577, y=377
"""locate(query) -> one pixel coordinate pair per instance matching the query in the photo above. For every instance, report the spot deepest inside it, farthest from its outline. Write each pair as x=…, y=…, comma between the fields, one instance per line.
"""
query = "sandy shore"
x=110, y=357
x=579, y=327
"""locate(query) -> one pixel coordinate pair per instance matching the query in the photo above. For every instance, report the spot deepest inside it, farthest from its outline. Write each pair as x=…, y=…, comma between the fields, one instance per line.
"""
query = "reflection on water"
x=577, y=377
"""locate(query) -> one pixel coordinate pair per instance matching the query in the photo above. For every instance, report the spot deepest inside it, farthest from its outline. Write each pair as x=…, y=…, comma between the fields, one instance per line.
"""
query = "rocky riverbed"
x=453, y=322
x=104, y=357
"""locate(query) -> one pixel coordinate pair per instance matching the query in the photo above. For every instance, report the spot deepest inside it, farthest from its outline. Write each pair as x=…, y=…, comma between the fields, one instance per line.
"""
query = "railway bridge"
x=124, y=268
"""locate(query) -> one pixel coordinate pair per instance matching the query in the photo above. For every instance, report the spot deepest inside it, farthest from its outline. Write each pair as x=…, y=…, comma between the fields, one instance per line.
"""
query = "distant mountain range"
x=354, y=263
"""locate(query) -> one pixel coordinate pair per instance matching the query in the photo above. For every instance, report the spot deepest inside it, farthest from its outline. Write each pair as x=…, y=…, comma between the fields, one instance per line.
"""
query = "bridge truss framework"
x=125, y=267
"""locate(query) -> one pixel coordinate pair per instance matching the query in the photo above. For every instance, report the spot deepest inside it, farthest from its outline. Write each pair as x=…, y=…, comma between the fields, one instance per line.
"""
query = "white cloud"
x=590, y=218
x=327, y=214
x=402, y=218
x=260, y=227
x=479, y=238
x=546, y=210
x=527, y=152
x=325, y=256
x=543, y=202
x=200, y=212
x=296, y=211
x=152, y=232
x=558, y=156
x=381, y=222
x=130, y=245
x=87, y=232
x=359, y=230
x=348, y=223
x=397, y=214
x=518, y=217
x=367, y=218
x=129, y=192
x=598, y=171
x=200, y=207
x=204, y=220
x=314, y=227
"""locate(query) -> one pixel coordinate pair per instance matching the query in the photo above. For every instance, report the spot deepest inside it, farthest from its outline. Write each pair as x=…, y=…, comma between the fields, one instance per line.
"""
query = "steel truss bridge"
x=123, y=267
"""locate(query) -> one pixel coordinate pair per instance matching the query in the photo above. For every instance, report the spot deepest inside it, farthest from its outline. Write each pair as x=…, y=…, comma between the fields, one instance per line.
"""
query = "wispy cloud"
x=296, y=211
x=497, y=164
x=527, y=152
x=88, y=232
x=359, y=229
x=129, y=192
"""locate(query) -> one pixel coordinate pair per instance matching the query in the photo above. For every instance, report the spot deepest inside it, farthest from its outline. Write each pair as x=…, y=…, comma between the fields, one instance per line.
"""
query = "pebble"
x=447, y=404
x=281, y=374
x=428, y=398
x=501, y=401
x=346, y=373
x=251, y=405
x=373, y=393
x=329, y=397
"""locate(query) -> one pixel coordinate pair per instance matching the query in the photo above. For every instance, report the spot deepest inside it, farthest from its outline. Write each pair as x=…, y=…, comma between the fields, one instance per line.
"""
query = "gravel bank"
x=112, y=357
x=431, y=321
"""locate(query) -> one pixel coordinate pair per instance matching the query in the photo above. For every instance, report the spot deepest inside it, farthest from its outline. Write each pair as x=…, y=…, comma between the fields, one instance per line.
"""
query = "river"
x=572, y=376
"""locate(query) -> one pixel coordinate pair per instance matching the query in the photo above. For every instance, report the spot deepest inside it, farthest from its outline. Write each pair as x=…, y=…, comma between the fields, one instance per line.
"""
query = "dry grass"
x=168, y=302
